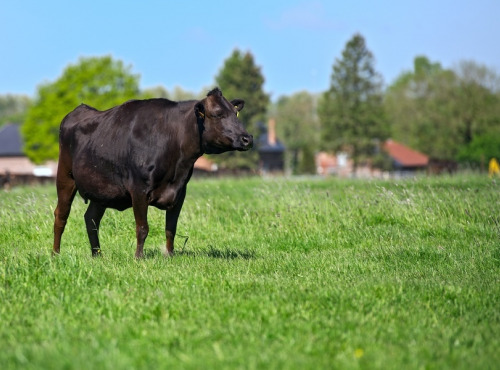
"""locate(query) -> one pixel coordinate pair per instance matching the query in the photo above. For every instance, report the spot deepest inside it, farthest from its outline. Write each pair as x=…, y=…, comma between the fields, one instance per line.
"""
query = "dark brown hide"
x=138, y=154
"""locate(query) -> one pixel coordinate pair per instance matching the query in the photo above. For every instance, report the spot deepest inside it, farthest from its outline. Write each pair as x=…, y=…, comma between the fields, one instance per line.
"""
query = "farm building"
x=15, y=167
x=404, y=161
x=271, y=150
x=329, y=164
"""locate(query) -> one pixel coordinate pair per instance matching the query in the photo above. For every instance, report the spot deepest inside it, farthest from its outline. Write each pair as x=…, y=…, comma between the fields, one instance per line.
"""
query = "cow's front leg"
x=171, y=221
x=93, y=218
x=140, y=207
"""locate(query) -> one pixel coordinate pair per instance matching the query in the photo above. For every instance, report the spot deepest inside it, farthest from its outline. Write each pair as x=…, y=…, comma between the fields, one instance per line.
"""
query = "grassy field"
x=268, y=274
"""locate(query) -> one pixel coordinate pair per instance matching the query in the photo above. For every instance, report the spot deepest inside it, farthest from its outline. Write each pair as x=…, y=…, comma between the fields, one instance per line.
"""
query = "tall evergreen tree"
x=241, y=78
x=351, y=111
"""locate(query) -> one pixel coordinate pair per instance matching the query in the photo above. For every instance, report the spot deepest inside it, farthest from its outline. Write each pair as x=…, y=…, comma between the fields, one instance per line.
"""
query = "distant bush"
x=481, y=149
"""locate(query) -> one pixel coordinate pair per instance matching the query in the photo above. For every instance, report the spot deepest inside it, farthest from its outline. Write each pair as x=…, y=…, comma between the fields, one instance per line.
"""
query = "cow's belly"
x=120, y=203
x=102, y=189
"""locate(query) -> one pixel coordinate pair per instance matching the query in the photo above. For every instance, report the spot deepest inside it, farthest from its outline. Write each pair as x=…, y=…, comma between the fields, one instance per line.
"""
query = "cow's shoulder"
x=82, y=109
x=77, y=115
x=85, y=107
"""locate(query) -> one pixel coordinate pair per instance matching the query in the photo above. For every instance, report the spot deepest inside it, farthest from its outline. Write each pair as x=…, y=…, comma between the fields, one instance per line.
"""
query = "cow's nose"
x=247, y=141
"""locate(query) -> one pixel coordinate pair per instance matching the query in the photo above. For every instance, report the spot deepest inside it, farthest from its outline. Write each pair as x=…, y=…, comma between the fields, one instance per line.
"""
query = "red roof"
x=405, y=156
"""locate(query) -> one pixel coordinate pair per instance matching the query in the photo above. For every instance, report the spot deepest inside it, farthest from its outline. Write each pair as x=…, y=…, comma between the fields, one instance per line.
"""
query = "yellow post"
x=493, y=167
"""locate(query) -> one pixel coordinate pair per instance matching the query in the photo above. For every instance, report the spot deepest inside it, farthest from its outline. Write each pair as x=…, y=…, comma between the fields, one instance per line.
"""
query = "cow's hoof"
x=96, y=253
x=168, y=254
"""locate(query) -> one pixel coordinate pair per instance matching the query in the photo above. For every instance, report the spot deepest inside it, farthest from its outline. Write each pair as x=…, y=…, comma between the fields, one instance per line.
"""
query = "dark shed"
x=271, y=150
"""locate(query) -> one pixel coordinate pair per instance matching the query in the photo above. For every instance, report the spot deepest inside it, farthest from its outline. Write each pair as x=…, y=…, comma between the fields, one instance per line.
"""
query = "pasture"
x=268, y=274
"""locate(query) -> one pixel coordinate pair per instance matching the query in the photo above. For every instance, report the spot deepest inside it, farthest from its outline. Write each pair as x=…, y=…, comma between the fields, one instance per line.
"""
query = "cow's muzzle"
x=246, y=142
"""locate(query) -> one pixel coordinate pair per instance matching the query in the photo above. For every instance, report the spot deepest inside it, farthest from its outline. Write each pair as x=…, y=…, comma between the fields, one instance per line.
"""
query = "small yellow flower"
x=358, y=353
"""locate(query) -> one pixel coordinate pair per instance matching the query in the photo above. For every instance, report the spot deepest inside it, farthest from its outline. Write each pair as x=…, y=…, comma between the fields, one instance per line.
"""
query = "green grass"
x=269, y=274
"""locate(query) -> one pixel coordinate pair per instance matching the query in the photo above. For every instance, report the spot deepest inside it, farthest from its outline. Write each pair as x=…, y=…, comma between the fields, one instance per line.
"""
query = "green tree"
x=351, y=111
x=439, y=111
x=297, y=125
x=13, y=108
x=481, y=149
x=478, y=113
x=101, y=82
x=477, y=100
x=241, y=78
x=419, y=108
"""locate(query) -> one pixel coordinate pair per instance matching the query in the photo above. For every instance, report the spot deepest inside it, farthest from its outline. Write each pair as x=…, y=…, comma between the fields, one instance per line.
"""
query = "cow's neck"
x=187, y=149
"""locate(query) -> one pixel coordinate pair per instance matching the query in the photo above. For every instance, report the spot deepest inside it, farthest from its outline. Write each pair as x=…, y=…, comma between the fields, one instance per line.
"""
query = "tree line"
x=450, y=114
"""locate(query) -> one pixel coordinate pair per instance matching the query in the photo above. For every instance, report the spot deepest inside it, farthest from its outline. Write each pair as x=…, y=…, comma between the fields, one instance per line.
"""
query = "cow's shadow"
x=211, y=252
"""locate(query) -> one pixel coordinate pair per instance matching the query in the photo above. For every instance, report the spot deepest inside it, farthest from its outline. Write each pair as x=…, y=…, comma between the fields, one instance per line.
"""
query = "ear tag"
x=237, y=112
x=202, y=115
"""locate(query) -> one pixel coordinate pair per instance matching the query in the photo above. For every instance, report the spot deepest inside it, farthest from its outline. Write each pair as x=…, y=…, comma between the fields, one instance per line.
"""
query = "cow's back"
x=111, y=151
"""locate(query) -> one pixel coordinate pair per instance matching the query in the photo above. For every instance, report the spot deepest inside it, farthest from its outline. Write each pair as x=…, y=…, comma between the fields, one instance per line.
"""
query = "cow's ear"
x=199, y=110
x=238, y=104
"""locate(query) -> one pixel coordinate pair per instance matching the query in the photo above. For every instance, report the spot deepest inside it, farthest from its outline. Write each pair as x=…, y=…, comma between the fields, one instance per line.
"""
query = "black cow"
x=138, y=154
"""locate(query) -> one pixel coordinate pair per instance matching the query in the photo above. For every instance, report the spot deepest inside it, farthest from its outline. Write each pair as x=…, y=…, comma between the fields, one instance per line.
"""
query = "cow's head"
x=221, y=129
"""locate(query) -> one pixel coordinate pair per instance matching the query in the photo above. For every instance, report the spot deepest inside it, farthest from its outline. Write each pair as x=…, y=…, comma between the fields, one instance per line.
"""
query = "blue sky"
x=184, y=43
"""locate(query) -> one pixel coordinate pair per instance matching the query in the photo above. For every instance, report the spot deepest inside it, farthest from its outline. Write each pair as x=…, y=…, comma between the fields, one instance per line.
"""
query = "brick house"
x=404, y=160
x=15, y=166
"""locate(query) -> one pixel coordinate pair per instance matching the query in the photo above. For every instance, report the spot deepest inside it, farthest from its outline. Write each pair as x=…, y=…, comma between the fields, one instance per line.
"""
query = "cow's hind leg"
x=66, y=190
x=93, y=218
